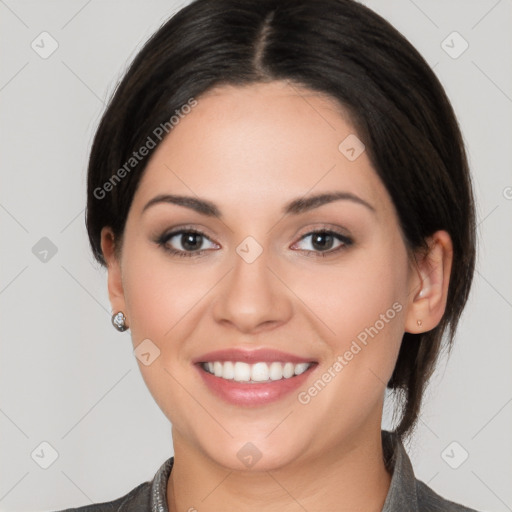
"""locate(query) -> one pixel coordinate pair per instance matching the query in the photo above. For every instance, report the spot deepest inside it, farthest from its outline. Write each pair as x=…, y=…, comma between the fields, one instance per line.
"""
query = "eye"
x=323, y=242
x=185, y=242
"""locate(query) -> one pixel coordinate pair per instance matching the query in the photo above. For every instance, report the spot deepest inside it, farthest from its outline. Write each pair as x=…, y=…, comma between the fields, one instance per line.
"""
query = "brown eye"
x=324, y=241
x=191, y=241
x=185, y=242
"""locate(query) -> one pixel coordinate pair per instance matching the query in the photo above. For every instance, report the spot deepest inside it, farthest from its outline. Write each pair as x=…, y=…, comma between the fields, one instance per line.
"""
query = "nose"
x=252, y=298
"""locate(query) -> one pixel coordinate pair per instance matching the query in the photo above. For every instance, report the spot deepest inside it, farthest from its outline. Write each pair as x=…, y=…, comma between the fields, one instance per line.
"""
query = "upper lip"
x=251, y=356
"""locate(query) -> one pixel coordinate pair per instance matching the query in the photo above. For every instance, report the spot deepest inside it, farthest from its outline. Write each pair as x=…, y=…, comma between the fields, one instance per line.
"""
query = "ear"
x=115, y=282
x=428, y=290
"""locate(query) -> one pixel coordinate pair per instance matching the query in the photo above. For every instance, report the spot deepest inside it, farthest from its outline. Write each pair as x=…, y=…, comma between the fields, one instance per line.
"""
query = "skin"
x=251, y=150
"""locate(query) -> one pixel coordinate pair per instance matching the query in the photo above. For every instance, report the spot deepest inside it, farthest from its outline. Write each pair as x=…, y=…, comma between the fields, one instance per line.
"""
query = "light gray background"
x=69, y=379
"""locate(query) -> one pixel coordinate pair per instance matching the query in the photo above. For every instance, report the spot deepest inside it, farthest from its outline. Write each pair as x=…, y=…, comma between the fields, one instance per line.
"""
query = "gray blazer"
x=406, y=493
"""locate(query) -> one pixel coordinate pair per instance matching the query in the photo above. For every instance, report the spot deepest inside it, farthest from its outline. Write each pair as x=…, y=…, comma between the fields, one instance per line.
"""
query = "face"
x=271, y=318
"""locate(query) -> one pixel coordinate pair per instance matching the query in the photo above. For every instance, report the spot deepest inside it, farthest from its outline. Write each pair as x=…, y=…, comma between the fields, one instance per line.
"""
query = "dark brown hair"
x=335, y=47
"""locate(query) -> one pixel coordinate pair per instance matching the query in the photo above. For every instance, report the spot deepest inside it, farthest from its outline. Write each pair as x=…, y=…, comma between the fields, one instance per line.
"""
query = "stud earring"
x=119, y=321
x=419, y=322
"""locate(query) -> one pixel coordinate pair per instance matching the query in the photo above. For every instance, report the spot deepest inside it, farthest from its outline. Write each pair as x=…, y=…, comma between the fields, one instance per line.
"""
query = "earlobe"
x=429, y=284
x=114, y=278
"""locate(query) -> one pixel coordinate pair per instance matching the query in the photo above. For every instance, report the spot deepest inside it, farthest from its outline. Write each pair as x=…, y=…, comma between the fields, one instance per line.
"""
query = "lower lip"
x=252, y=394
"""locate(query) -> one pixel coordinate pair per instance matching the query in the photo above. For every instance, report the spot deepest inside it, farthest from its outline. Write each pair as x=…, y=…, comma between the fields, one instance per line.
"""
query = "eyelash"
x=164, y=239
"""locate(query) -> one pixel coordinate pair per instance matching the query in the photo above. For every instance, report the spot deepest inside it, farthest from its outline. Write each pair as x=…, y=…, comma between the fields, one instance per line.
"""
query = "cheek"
x=349, y=298
x=160, y=293
x=359, y=310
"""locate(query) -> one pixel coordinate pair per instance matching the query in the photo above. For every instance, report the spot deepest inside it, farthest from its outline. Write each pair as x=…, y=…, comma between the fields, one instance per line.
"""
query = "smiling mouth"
x=258, y=372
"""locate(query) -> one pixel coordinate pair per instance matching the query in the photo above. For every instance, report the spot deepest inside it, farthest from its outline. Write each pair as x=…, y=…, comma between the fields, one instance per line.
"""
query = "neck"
x=351, y=476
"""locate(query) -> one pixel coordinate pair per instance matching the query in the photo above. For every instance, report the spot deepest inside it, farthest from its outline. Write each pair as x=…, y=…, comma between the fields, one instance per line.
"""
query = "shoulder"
x=430, y=501
x=406, y=492
x=143, y=498
x=138, y=499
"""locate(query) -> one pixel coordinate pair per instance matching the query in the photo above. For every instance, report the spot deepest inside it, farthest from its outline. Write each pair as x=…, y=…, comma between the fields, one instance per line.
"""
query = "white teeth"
x=301, y=368
x=288, y=370
x=276, y=371
x=257, y=372
x=242, y=372
x=228, y=370
x=217, y=369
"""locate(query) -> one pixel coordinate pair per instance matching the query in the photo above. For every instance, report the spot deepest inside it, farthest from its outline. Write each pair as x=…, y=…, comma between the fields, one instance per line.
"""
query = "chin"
x=255, y=457
x=254, y=449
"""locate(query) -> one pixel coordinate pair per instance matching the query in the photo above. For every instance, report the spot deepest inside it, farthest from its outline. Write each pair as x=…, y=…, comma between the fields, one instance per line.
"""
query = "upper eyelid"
x=167, y=235
x=325, y=229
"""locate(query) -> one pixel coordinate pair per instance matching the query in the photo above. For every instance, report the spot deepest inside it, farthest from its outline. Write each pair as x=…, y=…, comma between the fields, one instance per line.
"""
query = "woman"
x=280, y=193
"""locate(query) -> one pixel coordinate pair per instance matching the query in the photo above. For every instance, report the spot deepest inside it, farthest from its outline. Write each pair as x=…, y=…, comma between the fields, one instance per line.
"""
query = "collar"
x=158, y=496
x=402, y=489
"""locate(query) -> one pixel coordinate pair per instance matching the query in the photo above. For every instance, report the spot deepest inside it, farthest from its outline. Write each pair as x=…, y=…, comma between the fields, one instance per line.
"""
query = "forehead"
x=261, y=143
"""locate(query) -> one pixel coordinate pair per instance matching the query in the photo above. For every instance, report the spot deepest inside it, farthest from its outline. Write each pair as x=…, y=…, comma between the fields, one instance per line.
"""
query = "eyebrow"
x=295, y=207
